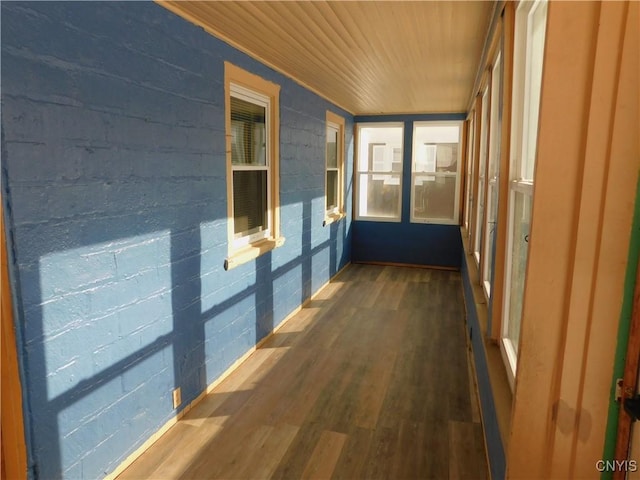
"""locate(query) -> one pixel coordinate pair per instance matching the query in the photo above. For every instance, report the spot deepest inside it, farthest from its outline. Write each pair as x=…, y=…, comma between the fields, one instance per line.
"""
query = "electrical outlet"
x=177, y=397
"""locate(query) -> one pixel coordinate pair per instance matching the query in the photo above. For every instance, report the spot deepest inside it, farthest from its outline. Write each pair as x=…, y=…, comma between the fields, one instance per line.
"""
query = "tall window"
x=250, y=165
x=252, y=162
x=379, y=178
x=531, y=18
x=492, y=176
x=334, y=206
x=469, y=172
x=435, y=172
x=482, y=164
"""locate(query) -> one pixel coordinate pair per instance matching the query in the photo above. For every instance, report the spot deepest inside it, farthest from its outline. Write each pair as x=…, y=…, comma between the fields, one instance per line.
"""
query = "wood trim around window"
x=237, y=76
x=332, y=118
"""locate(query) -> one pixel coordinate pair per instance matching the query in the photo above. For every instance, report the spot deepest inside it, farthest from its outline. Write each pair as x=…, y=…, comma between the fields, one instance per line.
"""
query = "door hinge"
x=619, y=390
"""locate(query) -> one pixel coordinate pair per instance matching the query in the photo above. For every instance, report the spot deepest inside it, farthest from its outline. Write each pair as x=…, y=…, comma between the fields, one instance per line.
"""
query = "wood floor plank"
x=353, y=457
x=266, y=449
x=325, y=456
x=370, y=380
x=411, y=461
x=382, y=449
x=176, y=462
x=295, y=459
x=464, y=463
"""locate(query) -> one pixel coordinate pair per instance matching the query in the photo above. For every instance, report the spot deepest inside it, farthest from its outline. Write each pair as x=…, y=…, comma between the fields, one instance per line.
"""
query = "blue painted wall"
x=114, y=186
x=405, y=242
x=493, y=439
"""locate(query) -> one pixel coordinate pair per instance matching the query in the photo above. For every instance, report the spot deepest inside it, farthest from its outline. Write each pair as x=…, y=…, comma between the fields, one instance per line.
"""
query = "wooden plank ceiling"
x=368, y=57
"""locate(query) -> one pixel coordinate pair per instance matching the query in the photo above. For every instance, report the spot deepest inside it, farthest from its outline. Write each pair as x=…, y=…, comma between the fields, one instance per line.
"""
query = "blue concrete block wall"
x=114, y=189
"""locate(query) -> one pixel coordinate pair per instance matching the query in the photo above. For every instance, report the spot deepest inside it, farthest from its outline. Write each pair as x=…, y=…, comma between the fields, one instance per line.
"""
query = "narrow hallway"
x=369, y=380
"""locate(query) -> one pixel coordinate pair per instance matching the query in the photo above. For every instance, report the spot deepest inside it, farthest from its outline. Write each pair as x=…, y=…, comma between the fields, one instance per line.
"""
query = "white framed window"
x=334, y=168
x=531, y=19
x=469, y=172
x=435, y=172
x=250, y=166
x=251, y=124
x=492, y=176
x=482, y=165
x=379, y=172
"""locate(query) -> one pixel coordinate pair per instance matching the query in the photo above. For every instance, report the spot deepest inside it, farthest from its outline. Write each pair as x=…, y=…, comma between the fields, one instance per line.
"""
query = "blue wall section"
x=495, y=449
x=115, y=192
x=406, y=242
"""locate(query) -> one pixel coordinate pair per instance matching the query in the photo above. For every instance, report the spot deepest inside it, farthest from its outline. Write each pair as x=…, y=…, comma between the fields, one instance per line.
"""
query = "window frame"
x=337, y=212
x=469, y=172
x=369, y=171
x=455, y=219
x=246, y=238
x=251, y=88
x=483, y=156
x=518, y=184
x=493, y=173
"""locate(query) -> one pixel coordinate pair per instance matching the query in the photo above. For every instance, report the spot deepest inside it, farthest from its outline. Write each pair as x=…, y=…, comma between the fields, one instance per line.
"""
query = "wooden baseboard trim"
x=412, y=265
x=171, y=422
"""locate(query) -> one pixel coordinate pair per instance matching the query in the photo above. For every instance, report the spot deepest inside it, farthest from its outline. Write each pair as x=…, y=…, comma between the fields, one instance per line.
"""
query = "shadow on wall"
x=98, y=381
x=116, y=200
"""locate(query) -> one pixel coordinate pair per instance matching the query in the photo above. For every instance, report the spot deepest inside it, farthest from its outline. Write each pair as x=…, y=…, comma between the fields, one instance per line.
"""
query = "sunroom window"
x=379, y=177
x=435, y=173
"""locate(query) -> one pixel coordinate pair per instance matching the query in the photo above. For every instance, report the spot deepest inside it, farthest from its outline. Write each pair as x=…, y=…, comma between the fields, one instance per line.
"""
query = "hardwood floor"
x=370, y=380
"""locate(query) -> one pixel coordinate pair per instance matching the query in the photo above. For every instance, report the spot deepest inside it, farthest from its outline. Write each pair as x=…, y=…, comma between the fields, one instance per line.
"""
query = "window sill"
x=248, y=253
x=379, y=219
x=332, y=217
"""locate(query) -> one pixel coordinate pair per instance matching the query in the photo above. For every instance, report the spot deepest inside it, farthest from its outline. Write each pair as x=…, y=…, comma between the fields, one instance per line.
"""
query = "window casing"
x=334, y=168
x=435, y=172
x=527, y=78
x=379, y=172
x=251, y=124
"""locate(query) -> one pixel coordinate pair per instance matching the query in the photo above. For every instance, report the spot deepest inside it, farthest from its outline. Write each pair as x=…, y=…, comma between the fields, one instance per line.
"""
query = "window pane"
x=492, y=168
x=332, y=189
x=380, y=149
x=468, y=183
x=435, y=150
x=380, y=161
x=248, y=133
x=332, y=147
x=535, y=47
x=519, y=248
x=434, y=196
x=379, y=195
x=482, y=162
x=249, y=201
x=492, y=213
